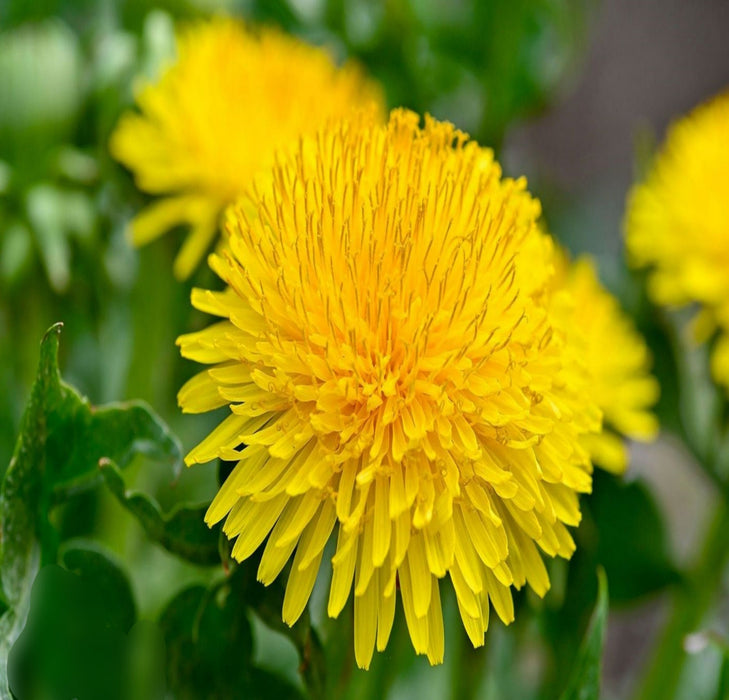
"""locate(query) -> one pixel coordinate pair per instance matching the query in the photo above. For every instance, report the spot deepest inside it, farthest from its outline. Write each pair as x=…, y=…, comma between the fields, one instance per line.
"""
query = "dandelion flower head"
x=394, y=377
x=677, y=222
x=215, y=118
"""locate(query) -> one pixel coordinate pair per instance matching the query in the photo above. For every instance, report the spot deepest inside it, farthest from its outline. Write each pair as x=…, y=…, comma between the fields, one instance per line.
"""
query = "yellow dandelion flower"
x=677, y=221
x=215, y=118
x=393, y=375
x=615, y=359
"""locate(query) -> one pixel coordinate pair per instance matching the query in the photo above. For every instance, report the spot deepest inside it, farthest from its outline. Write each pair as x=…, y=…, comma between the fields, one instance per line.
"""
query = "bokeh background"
x=573, y=93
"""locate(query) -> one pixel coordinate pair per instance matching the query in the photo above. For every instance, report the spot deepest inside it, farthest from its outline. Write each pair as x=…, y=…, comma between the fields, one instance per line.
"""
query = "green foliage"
x=631, y=538
x=266, y=601
x=64, y=630
x=46, y=56
x=708, y=666
x=182, y=532
x=482, y=65
x=584, y=682
x=210, y=641
x=622, y=533
x=145, y=661
x=722, y=692
x=61, y=442
x=74, y=642
x=20, y=498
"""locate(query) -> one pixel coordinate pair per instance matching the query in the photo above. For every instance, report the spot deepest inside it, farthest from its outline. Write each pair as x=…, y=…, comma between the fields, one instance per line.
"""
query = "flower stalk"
x=691, y=601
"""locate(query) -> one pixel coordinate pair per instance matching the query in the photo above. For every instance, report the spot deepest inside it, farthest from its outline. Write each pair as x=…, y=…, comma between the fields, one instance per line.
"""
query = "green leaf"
x=16, y=250
x=266, y=601
x=182, y=532
x=21, y=489
x=722, y=692
x=75, y=641
x=209, y=643
x=62, y=439
x=111, y=587
x=55, y=215
x=20, y=499
x=584, y=683
x=631, y=538
x=82, y=435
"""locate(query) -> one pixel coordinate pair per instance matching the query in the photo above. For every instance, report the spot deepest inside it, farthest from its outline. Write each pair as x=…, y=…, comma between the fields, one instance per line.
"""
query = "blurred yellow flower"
x=678, y=222
x=615, y=359
x=388, y=355
x=216, y=117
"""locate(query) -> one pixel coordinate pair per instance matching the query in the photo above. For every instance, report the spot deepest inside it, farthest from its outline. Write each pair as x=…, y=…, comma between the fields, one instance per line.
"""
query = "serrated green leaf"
x=20, y=494
x=20, y=500
x=75, y=641
x=84, y=435
x=182, y=532
x=584, y=683
x=61, y=441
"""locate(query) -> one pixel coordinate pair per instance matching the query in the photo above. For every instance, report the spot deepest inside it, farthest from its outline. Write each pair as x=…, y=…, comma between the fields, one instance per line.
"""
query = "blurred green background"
x=574, y=93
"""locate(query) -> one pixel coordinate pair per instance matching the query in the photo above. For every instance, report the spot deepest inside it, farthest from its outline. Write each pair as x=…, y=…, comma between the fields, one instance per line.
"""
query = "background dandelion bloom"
x=214, y=119
x=678, y=222
x=615, y=359
x=391, y=365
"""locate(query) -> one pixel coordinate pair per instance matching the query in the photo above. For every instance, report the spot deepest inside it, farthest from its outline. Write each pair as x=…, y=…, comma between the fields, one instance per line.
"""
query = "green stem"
x=691, y=602
x=700, y=415
x=469, y=671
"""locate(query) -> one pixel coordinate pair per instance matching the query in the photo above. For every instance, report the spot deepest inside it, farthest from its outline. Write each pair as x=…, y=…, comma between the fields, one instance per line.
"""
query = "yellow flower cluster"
x=678, y=222
x=408, y=362
x=395, y=371
x=215, y=119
